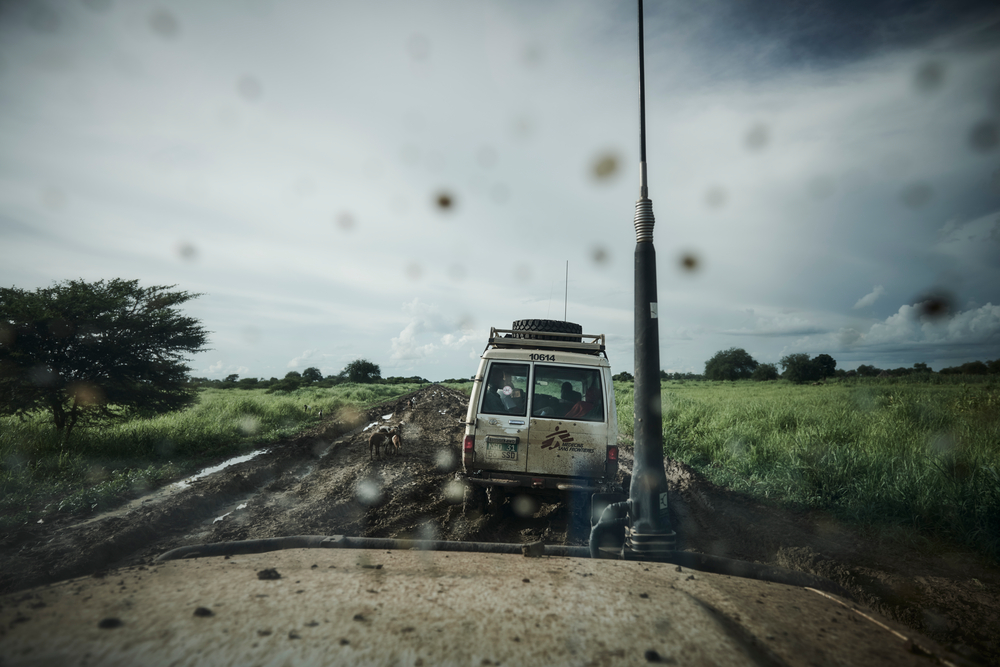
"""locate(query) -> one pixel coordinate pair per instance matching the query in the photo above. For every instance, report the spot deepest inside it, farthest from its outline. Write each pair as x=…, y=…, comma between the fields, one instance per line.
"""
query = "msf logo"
x=557, y=439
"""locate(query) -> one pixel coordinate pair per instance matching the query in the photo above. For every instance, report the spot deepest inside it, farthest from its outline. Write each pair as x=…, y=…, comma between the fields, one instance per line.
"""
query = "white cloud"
x=300, y=361
x=976, y=329
x=870, y=298
x=429, y=332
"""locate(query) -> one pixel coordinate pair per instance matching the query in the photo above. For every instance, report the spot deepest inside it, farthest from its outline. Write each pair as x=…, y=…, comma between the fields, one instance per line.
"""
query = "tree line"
x=359, y=371
x=737, y=364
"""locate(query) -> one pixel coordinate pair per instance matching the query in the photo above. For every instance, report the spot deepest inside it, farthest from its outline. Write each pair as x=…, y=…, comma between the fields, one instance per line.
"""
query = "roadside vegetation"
x=917, y=457
x=105, y=465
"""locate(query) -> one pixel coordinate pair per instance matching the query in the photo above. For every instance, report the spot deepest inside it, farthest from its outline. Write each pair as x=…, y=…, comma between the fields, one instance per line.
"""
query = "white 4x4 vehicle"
x=541, y=417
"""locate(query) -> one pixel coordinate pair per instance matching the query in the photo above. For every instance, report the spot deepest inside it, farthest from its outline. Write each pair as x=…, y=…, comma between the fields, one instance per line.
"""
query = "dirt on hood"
x=326, y=482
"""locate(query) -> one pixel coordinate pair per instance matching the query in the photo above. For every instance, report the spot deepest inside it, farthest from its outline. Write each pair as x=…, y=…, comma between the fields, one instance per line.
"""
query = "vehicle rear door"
x=502, y=418
x=569, y=421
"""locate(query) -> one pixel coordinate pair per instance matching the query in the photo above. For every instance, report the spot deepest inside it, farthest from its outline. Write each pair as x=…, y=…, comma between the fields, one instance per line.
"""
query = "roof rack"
x=576, y=342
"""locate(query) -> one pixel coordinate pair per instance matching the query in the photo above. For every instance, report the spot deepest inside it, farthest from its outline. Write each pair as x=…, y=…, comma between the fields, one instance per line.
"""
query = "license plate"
x=501, y=450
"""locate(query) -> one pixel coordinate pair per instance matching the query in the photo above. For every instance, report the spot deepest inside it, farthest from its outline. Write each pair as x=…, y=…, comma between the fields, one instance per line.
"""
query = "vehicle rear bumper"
x=541, y=483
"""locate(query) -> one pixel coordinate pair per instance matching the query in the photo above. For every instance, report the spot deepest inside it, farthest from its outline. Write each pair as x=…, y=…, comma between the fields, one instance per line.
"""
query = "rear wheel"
x=475, y=501
x=494, y=499
x=578, y=508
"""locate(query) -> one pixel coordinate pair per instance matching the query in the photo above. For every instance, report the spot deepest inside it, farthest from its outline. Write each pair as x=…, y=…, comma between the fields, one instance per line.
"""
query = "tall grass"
x=102, y=466
x=919, y=455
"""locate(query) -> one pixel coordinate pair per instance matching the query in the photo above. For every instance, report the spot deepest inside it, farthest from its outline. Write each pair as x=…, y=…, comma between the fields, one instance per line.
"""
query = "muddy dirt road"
x=325, y=483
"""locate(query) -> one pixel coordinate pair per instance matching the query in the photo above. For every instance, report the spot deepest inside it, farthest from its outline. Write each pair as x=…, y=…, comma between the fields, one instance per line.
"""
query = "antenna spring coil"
x=644, y=221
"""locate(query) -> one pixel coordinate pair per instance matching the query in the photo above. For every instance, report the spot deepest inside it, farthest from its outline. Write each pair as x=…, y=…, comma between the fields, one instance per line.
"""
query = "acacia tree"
x=732, y=364
x=92, y=353
x=362, y=370
x=826, y=365
x=799, y=368
x=765, y=372
x=312, y=374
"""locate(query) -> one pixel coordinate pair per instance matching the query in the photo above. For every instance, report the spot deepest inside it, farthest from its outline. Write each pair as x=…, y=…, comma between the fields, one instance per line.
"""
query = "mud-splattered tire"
x=495, y=496
x=522, y=328
x=578, y=508
x=474, y=504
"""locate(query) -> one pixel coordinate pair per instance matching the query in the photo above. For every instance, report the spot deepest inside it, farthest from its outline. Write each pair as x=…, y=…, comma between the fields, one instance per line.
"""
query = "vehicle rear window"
x=506, y=390
x=567, y=392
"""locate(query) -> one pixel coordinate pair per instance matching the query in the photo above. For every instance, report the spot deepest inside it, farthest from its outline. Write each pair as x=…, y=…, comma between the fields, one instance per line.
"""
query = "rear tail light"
x=468, y=451
x=612, y=453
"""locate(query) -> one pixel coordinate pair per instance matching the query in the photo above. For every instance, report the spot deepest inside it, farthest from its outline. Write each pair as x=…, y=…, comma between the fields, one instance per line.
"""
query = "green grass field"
x=917, y=457
x=101, y=467
x=914, y=457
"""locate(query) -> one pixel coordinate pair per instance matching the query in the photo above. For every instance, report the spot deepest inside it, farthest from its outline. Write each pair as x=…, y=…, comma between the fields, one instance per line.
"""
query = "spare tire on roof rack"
x=534, y=330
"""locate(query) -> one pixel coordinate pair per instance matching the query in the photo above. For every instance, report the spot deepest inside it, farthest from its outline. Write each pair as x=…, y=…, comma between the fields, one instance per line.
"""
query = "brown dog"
x=375, y=441
x=397, y=440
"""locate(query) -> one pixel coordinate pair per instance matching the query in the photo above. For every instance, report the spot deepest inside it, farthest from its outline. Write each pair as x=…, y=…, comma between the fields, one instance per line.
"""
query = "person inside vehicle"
x=568, y=395
x=582, y=408
x=501, y=395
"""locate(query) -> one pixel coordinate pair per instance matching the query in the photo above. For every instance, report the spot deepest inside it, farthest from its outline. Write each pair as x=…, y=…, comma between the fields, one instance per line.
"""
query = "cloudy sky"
x=388, y=180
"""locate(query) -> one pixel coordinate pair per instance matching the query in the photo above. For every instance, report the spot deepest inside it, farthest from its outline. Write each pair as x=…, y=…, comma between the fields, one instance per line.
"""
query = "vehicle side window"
x=506, y=391
x=566, y=392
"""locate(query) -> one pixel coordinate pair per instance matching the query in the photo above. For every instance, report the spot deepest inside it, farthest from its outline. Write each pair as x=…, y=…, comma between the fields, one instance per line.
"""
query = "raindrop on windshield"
x=599, y=255
x=486, y=157
x=689, y=262
x=454, y=491
x=522, y=272
x=758, y=137
x=164, y=24
x=984, y=136
x=418, y=46
x=445, y=460
x=916, y=195
x=524, y=505
x=522, y=127
x=414, y=271
x=86, y=393
x=929, y=77
x=187, y=251
x=444, y=201
x=249, y=88
x=345, y=221
x=367, y=492
x=532, y=55
x=248, y=424
x=935, y=305
x=716, y=197
x=605, y=166
x=500, y=193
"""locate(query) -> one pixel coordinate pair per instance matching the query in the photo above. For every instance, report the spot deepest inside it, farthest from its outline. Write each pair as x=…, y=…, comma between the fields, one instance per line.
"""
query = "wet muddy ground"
x=324, y=482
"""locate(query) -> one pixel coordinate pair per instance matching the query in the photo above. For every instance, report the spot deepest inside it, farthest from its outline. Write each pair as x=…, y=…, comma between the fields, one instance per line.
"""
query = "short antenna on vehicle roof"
x=566, y=296
x=648, y=532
